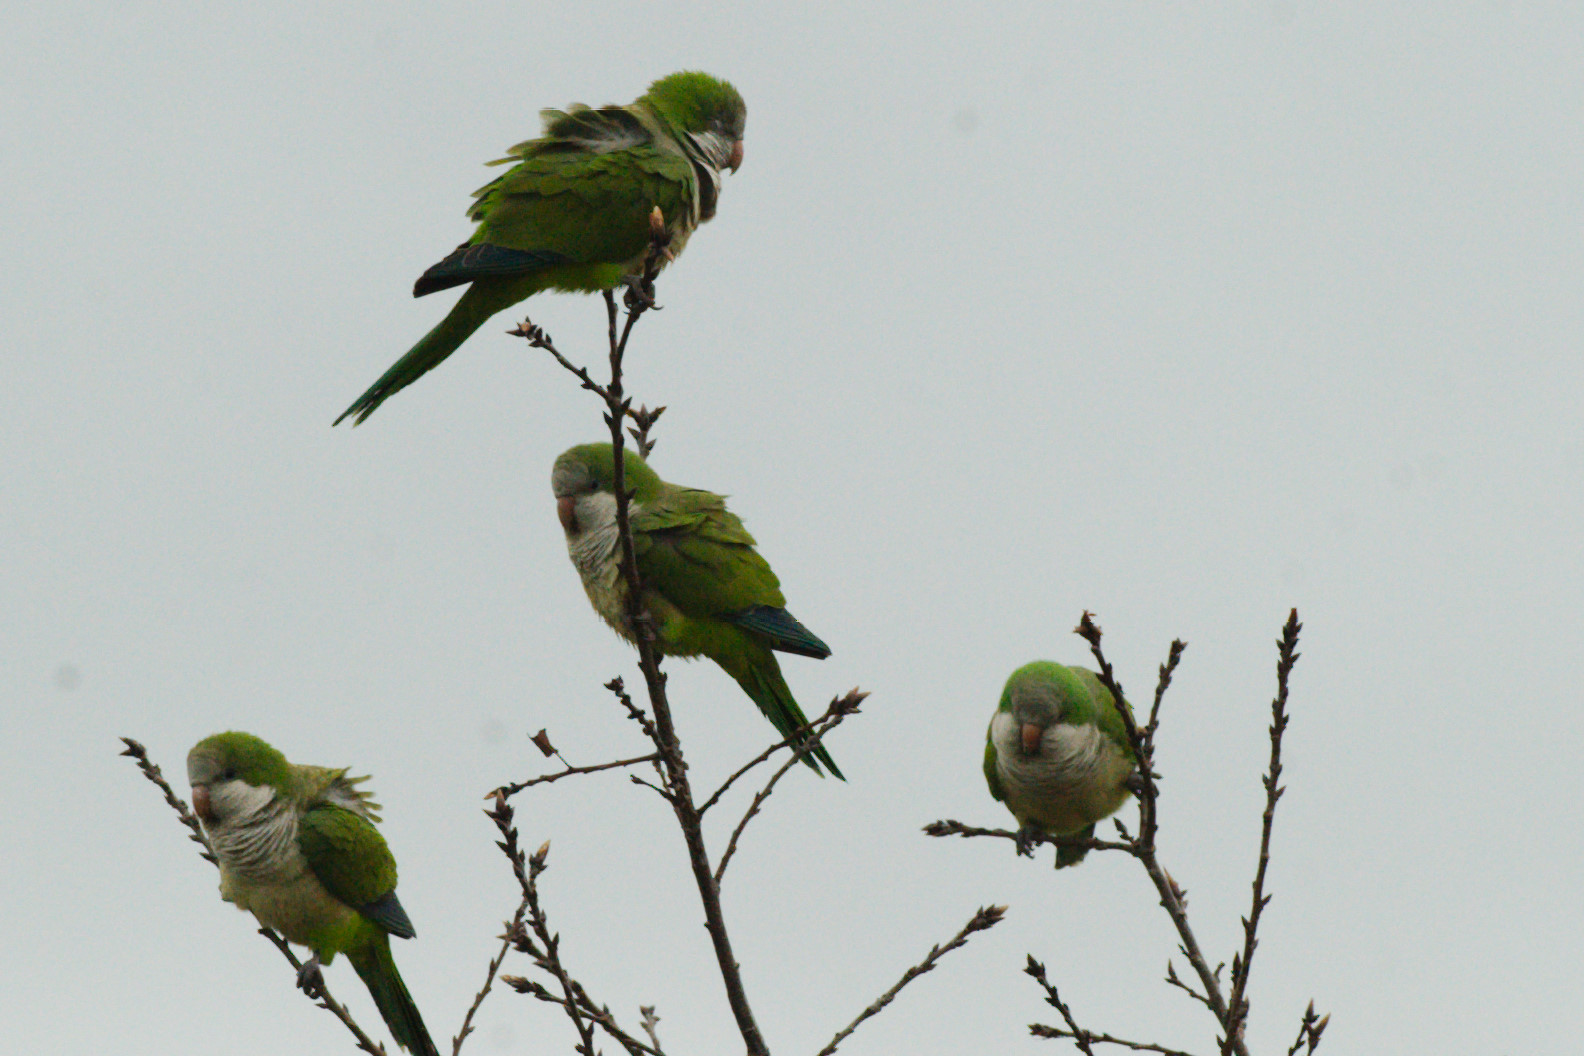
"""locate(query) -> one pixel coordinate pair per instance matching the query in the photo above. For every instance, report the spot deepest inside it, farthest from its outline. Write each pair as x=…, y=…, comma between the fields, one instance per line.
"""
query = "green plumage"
x=573, y=212
x=708, y=589
x=297, y=847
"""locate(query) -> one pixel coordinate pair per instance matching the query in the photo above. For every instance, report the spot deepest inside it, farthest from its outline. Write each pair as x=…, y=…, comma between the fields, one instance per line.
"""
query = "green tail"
x=482, y=300
x=760, y=677
x=377, y=968
x=1066, y=856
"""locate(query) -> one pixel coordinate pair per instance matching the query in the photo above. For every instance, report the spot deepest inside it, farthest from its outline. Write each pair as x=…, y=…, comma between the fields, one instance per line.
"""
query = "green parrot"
x=1057, y=754
x=573, y=212
x=298, y=847
x=707, y=588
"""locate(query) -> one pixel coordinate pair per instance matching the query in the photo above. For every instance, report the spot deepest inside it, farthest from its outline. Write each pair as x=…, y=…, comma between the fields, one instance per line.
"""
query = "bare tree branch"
x=840, y=708
x=987, y=917
x=139, y=753
x=546, y=952
x=811, y=735
x=650, y=1022
x=570, y=771
x=512, y=927
x=645, y=419
x=537, y=337
x=1172, y=897
x=1080, y=1037
x=1084, y=1039
x=1309, y=1031
x=1173, y=979
x=948, y=827
x=1287, y=656
x=639, y=299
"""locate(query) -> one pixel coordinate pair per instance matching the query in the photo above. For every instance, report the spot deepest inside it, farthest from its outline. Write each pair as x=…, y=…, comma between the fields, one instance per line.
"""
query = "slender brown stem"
x=803, y=741
x=1171, y=896
x=546, y=952
x=1287, y=656
x=320, y=995
x=570, y=771
x=987, y=917
x=1080, y=1037
x=680, y=792
x=948, y=827
x=512, y=927
x=810, y=736
x=1309, y=1031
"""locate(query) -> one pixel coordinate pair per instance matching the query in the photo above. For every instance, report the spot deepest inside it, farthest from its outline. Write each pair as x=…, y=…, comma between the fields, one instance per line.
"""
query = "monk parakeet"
x=707, y=588
x=298, y=847
x=573, y=212
x=1057, y=753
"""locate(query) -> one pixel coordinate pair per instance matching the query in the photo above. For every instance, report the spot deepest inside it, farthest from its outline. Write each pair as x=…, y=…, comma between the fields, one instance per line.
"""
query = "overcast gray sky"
x=1183, y=317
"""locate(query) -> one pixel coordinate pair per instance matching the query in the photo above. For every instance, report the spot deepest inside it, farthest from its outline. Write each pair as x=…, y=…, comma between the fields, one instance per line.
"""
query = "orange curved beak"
x=566, y=509
x=735, y=161
x=201, y=803
x=1032, y=736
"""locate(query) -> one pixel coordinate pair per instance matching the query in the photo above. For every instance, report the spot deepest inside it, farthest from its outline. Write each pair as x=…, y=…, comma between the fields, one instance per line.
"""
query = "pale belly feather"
x=1075, y=780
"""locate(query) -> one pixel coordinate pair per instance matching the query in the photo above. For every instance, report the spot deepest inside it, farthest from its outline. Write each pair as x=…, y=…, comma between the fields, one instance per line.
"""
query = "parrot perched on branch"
x=1057, y=753
x=298, y=847
x=573, y=212
x=706, y=587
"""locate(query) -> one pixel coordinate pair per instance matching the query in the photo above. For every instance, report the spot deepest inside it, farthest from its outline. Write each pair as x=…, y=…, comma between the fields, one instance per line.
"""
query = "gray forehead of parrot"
x=569, y=477
x=1037, y=702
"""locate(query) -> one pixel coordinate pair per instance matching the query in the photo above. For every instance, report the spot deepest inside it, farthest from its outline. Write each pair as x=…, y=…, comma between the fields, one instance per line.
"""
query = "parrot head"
x=584, y=484
x=705, y=109
x=1040, y=696
x=232, y=774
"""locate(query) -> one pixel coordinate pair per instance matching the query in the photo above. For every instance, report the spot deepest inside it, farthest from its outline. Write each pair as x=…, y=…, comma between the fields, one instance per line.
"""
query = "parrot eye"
x=229, y=774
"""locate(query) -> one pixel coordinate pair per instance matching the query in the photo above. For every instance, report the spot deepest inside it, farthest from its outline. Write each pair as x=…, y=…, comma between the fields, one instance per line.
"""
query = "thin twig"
x=1287, y=656
x=546, y=952
x=537, y=337
x=1173, y=979
x=321, y=995
x=987, y=917
x=139, y=753
x=1309, y=1031
x=1080, y=1037
x=680, y=795
x=948, y=827
x=840, y=708
x=544, y=947
x=1042, y=1030
x=645, y=419
x=512, y=927
x=545, y=779
x=1149, y=817
x=808, y=737
x=1084, y=1039
x=650, y=1023
x=1171, y=895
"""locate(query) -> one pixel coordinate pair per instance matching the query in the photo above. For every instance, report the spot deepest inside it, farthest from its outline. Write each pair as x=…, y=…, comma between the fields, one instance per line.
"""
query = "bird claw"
x=639, y=293
x=310, y=977
x=1028, y=837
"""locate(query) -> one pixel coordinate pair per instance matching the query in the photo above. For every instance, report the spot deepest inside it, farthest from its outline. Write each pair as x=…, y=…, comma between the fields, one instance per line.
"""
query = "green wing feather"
x=698, y=555
x=701, y=562
x=351, y=859
x=347, y=854
x=992, y=778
